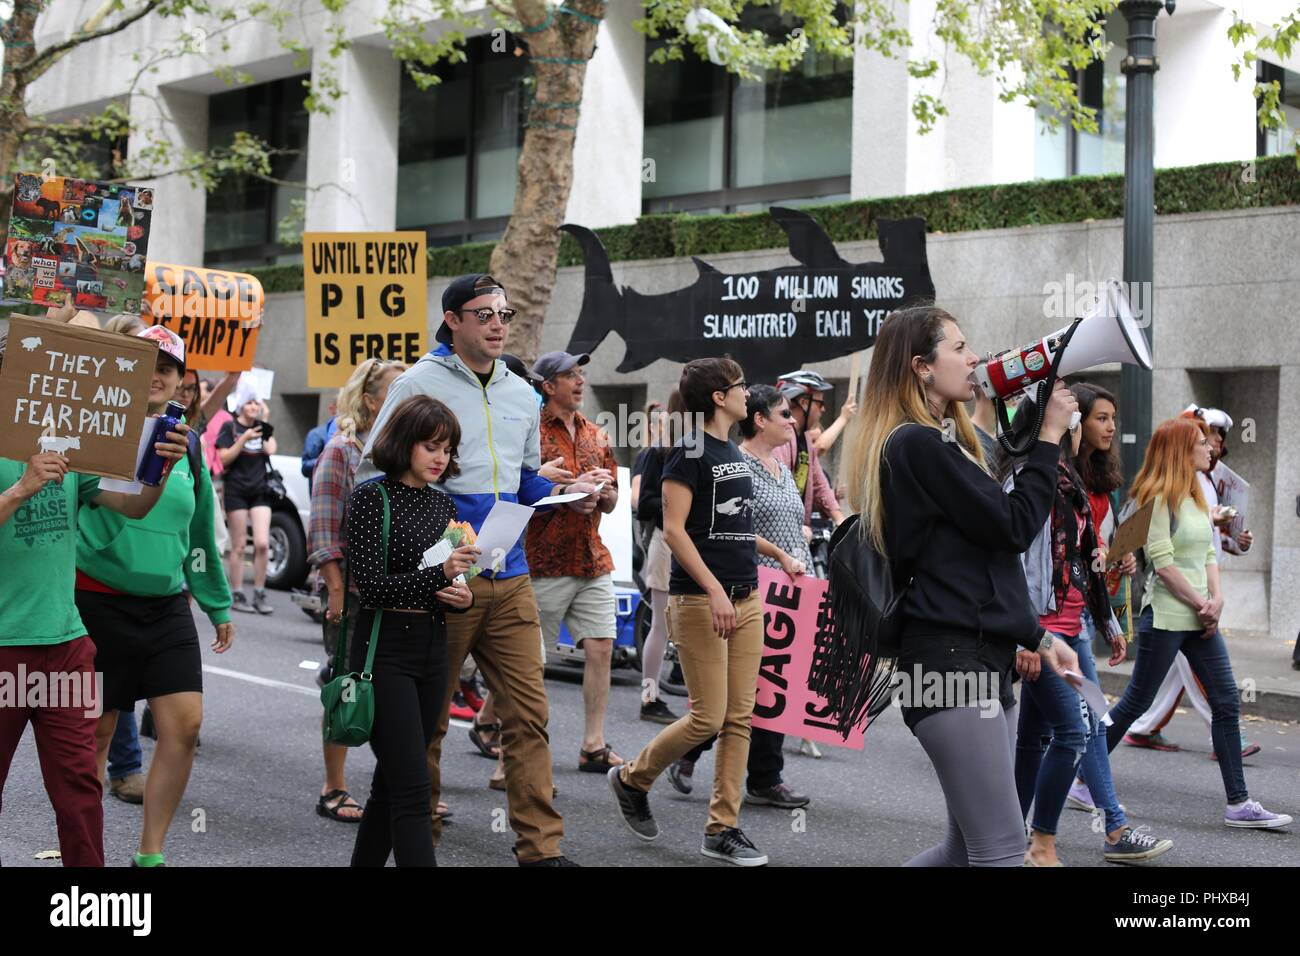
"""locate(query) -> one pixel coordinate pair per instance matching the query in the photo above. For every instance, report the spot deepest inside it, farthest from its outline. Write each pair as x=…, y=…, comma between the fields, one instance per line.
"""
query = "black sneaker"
x=657, y=712
x=634, y=804
x=679, y=775
x=551, y=861
x=239, y=602
x=732, y=846
x=1134, y=846
x=782, y=795
x=260, y=604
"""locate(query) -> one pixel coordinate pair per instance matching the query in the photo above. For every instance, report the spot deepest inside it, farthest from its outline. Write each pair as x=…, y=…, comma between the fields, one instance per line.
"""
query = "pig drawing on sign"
x=126, y=365
x=32, y=343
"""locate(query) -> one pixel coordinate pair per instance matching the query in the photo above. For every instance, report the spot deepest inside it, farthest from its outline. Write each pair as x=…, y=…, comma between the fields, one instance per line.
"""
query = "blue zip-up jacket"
x=500, y=438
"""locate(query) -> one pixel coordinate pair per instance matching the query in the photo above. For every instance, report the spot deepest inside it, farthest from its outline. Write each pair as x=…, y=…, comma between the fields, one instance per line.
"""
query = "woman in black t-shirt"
x=244, y=456
x=415, y=450
x=716, y=617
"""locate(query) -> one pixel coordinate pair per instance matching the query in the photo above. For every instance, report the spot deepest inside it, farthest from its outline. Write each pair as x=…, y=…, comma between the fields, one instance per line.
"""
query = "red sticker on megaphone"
x=1034, y=361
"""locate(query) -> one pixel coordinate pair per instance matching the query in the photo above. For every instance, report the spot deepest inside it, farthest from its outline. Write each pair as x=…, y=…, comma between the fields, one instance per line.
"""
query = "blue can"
x=151, y=468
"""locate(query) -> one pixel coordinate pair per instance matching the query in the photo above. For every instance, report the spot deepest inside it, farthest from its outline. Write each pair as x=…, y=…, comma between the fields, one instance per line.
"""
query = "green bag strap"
x=379, y=614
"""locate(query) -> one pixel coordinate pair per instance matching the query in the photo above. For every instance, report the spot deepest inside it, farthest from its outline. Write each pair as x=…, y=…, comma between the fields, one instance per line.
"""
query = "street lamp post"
x=1139, y=69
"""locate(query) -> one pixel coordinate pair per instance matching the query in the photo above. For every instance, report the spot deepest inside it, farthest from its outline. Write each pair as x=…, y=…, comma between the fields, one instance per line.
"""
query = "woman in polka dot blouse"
x=415, y=450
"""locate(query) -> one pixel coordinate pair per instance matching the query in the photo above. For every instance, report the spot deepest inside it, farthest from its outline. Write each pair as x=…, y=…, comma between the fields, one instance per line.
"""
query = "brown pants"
x=721, y=677
x=504, y=634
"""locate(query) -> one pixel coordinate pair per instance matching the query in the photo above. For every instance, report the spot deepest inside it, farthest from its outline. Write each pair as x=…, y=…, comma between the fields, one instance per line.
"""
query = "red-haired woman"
x=1181, y=605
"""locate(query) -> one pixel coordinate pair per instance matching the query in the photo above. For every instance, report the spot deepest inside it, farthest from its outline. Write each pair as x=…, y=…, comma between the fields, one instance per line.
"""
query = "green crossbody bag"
x=349, y=699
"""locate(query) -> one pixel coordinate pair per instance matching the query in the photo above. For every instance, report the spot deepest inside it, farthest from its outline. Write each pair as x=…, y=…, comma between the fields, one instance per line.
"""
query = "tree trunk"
x=19, y=40
x=525, y=258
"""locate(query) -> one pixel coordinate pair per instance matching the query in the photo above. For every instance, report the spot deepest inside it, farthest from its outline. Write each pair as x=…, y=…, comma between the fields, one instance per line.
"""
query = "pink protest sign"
x=783, y=702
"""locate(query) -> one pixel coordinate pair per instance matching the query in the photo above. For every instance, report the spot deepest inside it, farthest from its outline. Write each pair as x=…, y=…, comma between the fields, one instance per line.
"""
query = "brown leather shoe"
x=128, y=789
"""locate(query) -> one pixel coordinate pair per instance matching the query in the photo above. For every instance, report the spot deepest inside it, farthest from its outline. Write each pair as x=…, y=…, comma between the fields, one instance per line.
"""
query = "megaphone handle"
x=1044, y=392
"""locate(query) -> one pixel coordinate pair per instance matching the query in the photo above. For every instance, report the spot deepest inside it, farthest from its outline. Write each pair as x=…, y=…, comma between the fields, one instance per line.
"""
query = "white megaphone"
x=1107, y=333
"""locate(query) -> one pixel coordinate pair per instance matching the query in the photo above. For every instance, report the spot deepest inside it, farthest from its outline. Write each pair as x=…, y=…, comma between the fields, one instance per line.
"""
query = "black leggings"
x=410, y=677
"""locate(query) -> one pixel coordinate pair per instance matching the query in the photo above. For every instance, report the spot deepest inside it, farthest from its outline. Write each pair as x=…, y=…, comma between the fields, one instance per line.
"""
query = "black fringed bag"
x=858, y=641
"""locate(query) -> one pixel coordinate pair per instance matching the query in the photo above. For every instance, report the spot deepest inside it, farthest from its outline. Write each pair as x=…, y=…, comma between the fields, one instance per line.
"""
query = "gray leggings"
x=974, y=757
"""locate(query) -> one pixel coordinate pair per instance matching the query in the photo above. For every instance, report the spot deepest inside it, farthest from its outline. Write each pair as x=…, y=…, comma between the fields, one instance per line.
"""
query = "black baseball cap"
x=553, y=363
x=461, y=290
x=516, y=365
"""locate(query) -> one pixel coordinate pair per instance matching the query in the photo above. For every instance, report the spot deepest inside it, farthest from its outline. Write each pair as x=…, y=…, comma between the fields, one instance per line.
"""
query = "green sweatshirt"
x=152, y=556
x=1190, y=550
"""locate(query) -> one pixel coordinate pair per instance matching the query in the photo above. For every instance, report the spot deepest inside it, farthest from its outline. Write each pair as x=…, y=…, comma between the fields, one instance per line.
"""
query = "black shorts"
x=241, y=499
x=144, y=646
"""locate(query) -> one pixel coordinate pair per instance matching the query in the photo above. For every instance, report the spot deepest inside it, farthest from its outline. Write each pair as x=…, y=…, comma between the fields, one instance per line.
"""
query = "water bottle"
x=151, y=468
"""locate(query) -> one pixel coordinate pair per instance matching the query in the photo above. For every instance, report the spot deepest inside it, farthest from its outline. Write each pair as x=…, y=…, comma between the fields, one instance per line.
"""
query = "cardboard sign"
x=1234, y=492
x=769, y=321
x=367, y=297
x=217, y=313
x=1131, y=535
x=73, y=239
x=783, y=702
x=85, y=389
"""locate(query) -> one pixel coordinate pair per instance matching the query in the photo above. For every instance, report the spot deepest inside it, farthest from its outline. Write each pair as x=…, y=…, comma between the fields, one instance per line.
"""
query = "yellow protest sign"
x=366, y=297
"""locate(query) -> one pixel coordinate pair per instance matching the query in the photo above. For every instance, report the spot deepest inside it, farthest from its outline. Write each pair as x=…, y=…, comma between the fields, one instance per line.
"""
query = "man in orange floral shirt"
x=571, y=567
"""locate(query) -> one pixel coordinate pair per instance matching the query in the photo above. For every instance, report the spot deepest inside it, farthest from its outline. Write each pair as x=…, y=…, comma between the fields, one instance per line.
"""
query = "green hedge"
x=1185, y=189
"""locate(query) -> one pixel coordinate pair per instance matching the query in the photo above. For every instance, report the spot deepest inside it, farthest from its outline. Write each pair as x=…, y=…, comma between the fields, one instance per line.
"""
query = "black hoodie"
x=961, y=536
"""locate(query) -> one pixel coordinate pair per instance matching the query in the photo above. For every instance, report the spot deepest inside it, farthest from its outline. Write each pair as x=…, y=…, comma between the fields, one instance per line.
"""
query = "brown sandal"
x=598, y=761
x=487, y=738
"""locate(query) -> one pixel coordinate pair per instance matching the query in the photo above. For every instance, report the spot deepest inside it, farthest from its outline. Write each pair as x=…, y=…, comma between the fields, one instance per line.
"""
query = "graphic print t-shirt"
x=38, y=560
x=247, y=473
x=721, y=519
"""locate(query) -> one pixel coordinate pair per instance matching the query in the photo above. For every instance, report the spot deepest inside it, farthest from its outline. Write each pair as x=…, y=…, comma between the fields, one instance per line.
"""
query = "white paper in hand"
x=500, y=532
x=1089, y=691
x=566, y=498
x=436, y=555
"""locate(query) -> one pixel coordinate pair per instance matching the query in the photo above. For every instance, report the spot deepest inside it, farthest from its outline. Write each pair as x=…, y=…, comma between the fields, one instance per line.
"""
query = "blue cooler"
x=626, y=601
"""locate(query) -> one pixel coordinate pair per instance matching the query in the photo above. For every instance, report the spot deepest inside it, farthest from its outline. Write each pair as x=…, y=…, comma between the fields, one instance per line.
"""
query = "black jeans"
x=410, y=677
x=765, y=758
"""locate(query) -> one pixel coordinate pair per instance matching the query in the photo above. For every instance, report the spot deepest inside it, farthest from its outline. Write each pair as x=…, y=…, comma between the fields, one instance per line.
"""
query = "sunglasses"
x=485, y=314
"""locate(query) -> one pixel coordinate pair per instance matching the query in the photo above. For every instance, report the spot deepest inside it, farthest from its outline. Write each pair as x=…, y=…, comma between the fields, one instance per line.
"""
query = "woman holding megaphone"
x=927, y=501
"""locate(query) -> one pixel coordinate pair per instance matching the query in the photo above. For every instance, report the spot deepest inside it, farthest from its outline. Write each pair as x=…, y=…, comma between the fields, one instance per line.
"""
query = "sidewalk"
x=1257, y=657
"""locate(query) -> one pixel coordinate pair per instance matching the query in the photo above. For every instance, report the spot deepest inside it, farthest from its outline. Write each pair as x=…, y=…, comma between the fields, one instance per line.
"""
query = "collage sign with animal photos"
x=78, y=241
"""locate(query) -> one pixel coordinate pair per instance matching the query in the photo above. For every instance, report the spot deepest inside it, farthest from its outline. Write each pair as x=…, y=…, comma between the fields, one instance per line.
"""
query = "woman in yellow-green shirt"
x=1181, y=606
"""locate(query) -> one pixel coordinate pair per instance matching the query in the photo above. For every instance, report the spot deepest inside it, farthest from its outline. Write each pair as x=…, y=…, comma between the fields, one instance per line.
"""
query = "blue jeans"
x=1210, y=664
x=1050, y=743
x=1095, y=768
x=124, y=754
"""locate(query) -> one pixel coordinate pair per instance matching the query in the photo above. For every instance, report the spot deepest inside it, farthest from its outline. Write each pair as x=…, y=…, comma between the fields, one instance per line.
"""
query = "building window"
x=458, y=147
x=724, y=144
x=244, y=212
x=1276, y=142
x=1070, y=152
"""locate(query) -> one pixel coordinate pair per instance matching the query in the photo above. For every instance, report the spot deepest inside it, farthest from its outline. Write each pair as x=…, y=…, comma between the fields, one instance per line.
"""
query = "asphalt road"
x=251, y=799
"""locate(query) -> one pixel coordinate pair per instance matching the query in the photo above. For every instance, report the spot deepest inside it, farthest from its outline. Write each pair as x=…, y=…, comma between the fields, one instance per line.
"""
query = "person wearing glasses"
x=805, y=390
x=499, y=457
x=714, y=612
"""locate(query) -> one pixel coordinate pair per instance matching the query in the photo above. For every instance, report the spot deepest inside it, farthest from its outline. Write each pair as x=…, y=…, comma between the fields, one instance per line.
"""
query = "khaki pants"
x=503, y=633
x=721, y=677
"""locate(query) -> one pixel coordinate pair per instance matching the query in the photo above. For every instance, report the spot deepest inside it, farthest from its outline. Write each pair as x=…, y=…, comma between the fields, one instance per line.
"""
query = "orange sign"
x=217, y=313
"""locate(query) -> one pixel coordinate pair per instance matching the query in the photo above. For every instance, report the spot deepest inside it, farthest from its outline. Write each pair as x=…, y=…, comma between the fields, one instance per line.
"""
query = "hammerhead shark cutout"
x=770, y=321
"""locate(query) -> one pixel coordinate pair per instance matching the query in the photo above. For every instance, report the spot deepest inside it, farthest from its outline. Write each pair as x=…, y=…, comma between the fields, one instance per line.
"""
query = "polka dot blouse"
x=419, y=516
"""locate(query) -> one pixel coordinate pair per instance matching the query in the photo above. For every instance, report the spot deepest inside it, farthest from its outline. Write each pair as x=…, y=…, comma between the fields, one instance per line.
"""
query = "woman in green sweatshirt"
x=131, y=576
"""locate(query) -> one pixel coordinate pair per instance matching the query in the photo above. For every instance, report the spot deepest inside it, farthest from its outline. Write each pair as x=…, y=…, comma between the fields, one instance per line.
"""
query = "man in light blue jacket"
x=498, y=458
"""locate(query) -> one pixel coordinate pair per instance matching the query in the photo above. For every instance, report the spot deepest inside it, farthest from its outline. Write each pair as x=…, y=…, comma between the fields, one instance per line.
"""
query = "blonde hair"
x=1168, y=469
x=895, y=396
x=352, y=416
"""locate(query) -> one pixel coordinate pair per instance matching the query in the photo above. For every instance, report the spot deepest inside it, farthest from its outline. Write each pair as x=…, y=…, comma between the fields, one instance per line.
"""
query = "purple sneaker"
x=1251, y=814
x=1079, y=798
